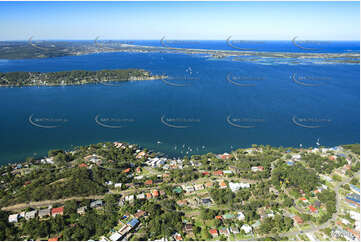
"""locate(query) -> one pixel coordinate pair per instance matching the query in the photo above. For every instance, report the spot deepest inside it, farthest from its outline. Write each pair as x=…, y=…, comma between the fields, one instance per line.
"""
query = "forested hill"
x=75, y=77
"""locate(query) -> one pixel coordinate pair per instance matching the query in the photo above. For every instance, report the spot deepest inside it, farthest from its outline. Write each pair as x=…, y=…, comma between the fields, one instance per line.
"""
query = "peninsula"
x=75, y=77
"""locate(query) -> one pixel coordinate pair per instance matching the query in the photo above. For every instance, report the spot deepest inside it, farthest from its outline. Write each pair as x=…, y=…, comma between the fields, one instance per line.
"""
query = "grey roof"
x=96, y=203
x=44, y=212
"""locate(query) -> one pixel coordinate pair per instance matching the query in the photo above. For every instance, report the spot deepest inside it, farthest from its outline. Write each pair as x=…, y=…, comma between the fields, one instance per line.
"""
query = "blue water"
x=200, y=99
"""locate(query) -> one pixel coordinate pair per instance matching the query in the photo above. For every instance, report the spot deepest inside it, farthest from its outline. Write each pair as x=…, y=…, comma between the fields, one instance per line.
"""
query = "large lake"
x=207, y=105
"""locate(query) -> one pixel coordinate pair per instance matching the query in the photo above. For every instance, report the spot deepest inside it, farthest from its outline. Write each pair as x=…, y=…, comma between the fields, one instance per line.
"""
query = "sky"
x=179, y=20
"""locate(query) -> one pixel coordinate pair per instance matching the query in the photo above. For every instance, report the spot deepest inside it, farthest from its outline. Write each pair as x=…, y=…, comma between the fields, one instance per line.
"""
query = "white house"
x=236, y=186
x=30, y=215
x=240, y=216
x=246, y=228
x=13, y=218
x=118, y=185
x=115, y=236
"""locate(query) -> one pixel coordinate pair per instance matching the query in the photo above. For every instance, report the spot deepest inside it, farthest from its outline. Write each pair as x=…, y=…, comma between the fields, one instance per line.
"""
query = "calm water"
x=207, y=106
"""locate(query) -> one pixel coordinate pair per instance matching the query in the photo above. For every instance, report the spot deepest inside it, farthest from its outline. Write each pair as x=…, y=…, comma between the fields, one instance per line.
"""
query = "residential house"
x=224, y=156
x=353, y=198
x=139, y=214
x=141, y=196
x=44, y=213
x=206, y=201
x=31, y=214
x=355, y=189
x=96, y=204
x=222, y=185
x=148, y=195
x=141, y=155
x=198, y=187
x=115, y=236
x=81, y=210
x=218, y=173
x=298, y=220
x=182, y=202
x=83, y=165
x=246, y=228
x=177, y=237
x=236, y=186
x=148, y=182
x=257, y=168
x=118, y=185
x=228, y=216
x=129, y=198
x=57, y=211
x=240, y=216
x=208, y=184
x=155, y=193
x=133, y=223
x=213, y=232
x=234, y=230
x=126, y=170
x=224, y=231
x=189, y=188
x=312, y=209
x=13, y=218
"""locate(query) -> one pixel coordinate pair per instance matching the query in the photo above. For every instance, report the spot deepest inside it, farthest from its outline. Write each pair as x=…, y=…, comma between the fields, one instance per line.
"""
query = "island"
x=118, y=191
x=74, y=77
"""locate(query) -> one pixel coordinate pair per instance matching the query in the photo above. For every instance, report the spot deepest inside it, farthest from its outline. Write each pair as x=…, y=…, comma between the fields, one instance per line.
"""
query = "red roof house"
x=218, y=173
x=83, y=165
x=126, y=170
x=313, y=209
x=155, y=193
x=148, y=182
x=213, y=232
x=56, y=211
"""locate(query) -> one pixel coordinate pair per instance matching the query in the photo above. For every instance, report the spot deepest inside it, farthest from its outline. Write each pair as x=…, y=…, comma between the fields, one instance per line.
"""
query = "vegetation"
x=72, y=77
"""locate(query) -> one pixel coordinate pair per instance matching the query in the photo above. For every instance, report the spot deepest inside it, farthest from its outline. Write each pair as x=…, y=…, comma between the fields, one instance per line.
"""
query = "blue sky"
x=180, y=20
